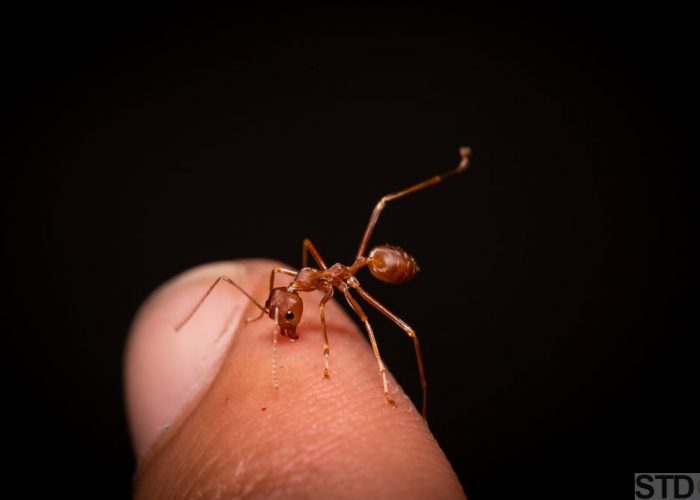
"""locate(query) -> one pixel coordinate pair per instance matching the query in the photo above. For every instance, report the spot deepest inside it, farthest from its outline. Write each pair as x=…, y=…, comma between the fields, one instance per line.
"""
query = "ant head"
x=289, y=310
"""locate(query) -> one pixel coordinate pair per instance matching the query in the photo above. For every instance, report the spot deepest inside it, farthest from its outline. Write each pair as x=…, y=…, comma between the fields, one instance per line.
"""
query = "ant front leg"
x=201, y=301
x=382, y=370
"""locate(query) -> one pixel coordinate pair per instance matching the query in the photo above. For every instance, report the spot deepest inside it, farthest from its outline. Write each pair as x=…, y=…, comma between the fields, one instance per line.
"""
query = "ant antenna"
x=274, y=349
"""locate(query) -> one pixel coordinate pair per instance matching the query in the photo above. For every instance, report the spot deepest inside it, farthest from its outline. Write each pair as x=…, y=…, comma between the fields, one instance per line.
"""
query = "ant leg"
x=411, y=333
x=201, y=301
x=382, y=370
x=308, y=247
x=464, y=162
x=326, y=348
x=255, y=318
x=274, y=271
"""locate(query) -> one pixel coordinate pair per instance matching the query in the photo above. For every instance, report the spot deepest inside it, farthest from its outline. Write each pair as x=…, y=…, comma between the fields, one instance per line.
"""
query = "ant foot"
x=325, y=374
x=389, y=400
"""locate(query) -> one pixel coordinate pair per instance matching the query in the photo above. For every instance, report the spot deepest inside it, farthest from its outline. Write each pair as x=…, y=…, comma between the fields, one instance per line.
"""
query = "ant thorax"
x=306, y=280
x=309, y=279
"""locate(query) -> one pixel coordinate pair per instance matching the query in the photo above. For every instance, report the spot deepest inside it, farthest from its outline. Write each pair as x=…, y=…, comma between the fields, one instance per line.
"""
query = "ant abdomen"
x=391, y=264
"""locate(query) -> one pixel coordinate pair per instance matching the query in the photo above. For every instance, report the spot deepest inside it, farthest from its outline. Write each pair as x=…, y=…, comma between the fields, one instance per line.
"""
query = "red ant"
x=387, y=263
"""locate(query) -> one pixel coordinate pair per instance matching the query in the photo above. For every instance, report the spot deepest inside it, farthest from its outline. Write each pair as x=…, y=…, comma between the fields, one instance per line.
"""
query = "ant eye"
x=289, y=316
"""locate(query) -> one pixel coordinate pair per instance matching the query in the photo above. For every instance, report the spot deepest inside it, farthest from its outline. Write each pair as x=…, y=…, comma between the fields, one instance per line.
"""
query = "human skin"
x=207, y=421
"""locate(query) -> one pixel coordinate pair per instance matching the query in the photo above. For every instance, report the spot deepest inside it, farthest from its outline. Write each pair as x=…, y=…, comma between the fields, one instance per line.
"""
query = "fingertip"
x=165, y=369
x=312, y=434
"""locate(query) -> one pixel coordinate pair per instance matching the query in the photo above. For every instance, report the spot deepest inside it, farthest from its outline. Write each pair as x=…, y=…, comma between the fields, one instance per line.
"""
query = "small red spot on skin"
x=263, y=408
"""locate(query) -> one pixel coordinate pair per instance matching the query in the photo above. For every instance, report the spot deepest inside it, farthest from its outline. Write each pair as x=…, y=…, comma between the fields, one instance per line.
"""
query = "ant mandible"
x=387, y=263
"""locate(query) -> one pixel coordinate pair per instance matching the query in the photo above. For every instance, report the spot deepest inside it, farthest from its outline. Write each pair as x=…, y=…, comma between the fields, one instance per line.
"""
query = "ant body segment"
x=387, y=263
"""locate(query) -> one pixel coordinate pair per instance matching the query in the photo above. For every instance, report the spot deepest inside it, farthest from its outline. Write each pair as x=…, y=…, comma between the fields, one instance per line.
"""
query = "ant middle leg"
x=464, y=153
x=409, y=331
x=326, y=348
x=382, y=369
x=309, y=248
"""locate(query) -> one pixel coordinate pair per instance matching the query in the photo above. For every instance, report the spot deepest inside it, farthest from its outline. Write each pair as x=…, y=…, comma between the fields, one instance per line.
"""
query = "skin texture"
x=207, y=422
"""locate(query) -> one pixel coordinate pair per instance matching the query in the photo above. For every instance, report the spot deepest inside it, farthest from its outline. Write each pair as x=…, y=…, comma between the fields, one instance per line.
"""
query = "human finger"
x=207, y=419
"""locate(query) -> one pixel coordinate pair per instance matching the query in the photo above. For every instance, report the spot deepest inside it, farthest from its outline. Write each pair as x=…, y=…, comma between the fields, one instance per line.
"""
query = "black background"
x=559, y=282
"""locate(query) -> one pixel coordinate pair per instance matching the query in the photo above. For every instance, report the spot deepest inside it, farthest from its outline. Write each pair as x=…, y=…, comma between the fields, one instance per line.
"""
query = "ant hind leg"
x=410, y=332
x=382, y=369
x=464, y=153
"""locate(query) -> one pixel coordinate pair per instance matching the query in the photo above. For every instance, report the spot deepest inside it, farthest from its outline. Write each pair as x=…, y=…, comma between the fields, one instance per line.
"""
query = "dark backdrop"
x=556, y=301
